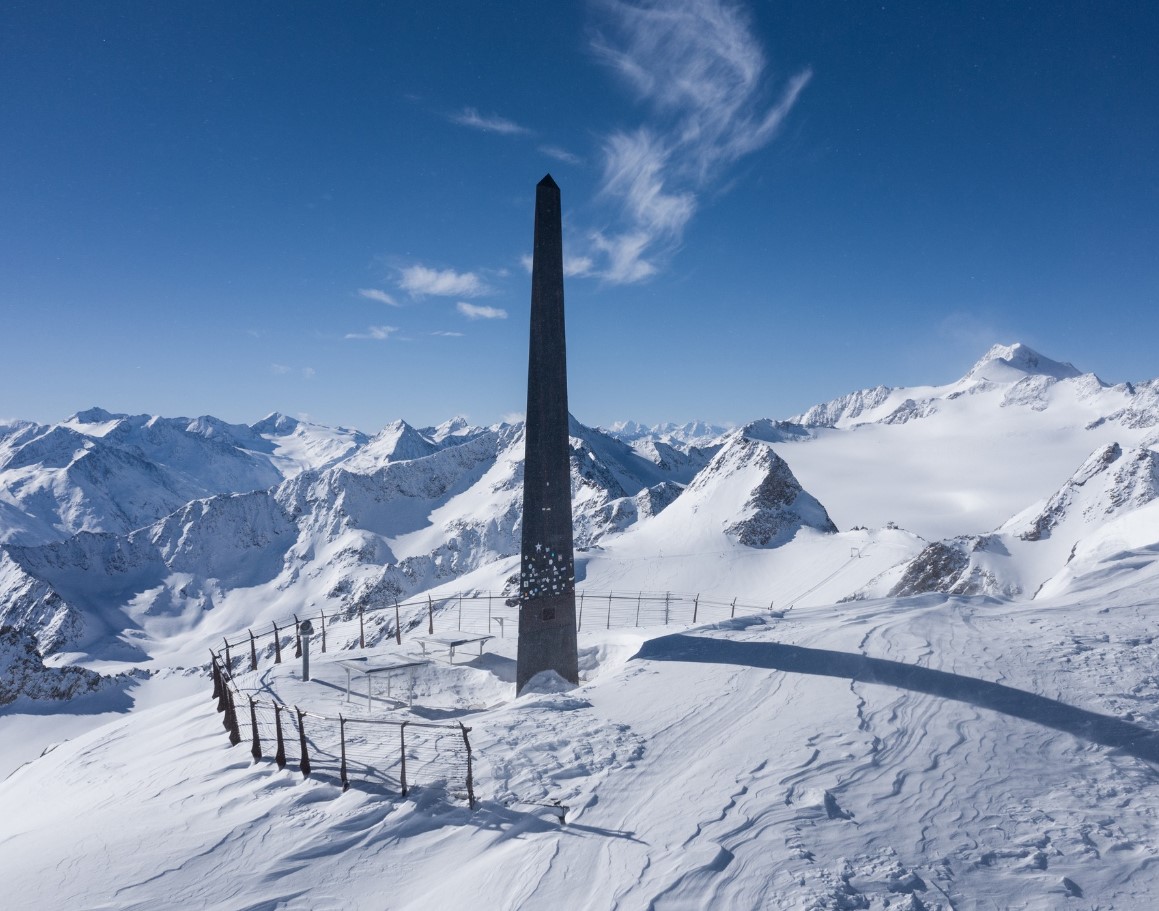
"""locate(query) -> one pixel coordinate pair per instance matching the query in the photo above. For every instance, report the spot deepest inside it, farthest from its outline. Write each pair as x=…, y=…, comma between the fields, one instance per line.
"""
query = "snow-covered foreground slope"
x=977, y=730
x=937, y=753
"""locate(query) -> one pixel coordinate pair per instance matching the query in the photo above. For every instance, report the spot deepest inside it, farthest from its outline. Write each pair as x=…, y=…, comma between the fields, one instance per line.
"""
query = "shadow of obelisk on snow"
x=547, y=633
x=1091, y=726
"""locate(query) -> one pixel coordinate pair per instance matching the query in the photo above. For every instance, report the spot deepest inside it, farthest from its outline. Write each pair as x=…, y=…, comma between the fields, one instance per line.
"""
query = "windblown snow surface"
x=930, y=751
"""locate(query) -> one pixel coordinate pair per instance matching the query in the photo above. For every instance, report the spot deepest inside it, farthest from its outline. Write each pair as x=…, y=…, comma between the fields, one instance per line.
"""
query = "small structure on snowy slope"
x=547, y=616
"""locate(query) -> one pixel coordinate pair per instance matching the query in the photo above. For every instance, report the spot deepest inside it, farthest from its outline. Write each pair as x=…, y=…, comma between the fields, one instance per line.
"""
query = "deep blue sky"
x=208, y=207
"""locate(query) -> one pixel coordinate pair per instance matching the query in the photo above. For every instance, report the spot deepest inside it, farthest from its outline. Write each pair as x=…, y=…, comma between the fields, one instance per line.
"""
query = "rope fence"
x=394, y=755
x=383, y=754
x=480, y=613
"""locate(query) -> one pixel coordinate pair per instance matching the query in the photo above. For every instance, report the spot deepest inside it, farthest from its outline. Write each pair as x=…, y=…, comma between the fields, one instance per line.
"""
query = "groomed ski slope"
x=758, y=763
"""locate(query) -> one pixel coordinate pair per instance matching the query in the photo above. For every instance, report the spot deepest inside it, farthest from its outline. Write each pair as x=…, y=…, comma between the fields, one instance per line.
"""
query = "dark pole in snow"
x=231, y=719
x=256, y=749
x=342, y=767
x=280, y=755
x=304, y=765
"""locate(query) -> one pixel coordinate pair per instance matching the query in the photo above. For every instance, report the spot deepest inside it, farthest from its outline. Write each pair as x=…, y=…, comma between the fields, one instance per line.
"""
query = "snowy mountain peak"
x=1110, y=482
x=766, y=503
x=94, y=415
x=275, y=423
x=1010, y=363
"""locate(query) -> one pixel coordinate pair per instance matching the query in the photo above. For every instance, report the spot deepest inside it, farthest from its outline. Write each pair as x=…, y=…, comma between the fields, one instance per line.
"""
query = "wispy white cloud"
x=561, y=154
x=381, y=296
x=491, y=123
x=447, y=333
x=309, y=372
x=473, y=311
x=280, y=369
x=701, y=73
x=577, y=266
x=380, y=333
x=421, y=280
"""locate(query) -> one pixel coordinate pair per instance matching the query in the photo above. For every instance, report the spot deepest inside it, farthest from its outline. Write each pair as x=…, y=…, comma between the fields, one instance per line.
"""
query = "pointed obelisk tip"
x=548, y=182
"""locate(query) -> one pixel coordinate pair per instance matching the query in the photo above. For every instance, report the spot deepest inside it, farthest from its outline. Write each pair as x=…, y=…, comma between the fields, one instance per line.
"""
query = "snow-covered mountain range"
x=1027, y=488
x=117, y=527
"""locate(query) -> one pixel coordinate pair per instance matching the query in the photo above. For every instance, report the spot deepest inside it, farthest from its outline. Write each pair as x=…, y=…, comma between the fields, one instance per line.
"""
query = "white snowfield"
x=937, y=751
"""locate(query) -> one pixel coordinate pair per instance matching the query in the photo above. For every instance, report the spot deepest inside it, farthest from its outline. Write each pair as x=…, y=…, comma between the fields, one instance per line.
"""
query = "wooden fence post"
x=470, y=776
x=580, y=619
x=256, y=749
x=228, y=661
x=639, y=598
x=323, y=613
x=430, y=616
x=304, y=765
x=609, y=610
x=695, y=606
x=231, y=718
x=297, y=638
x=361, y=630
x=277, y=644
x=733, y=612
x=397, y=625
x=667, y=598
x=460, y=612
x=253, y=651
x=216, y=681
x=280, y=755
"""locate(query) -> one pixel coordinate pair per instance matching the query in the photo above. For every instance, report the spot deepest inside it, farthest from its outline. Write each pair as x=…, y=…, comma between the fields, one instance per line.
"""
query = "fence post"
x=488, y=612
x=460, y=612
x=222, y=703
x=253, y=651
x=323, y=613
x=470, y=776
x=580, y=620
x=280, y=755
x=609, y=610
x=361, y=630
x=402, y=747
x=667, y=598
x=430, y=616
x=231, y=718
x=216, y=680
x=297, y=638
x=733, y=613
x=397, y=625
x=695, y=606
x=228, y=661
x=342, y=767
x=277, y=644
x=256, y=749
x=639, y=598
x=304, y=765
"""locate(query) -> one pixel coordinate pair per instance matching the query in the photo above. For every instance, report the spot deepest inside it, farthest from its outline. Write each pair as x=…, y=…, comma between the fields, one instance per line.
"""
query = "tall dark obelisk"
x=547, y=635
